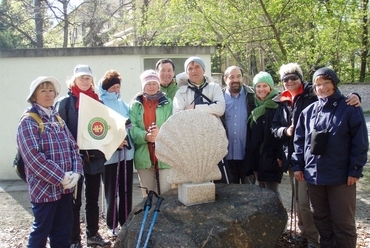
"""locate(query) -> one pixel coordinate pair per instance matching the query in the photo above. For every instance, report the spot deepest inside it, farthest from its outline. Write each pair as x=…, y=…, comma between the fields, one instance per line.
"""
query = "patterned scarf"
x=154, y=97
x=90, y=92
x=261, y=107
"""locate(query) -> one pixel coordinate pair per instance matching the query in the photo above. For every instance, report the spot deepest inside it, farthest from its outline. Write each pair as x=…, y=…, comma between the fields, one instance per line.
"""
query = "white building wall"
x=18, y=68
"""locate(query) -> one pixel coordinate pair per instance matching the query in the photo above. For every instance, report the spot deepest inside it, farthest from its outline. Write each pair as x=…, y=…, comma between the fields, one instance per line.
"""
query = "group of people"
x=269, y=133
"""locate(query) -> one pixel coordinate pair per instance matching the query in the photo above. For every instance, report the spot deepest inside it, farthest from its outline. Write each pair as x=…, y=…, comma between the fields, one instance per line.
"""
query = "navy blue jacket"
x=286, y=115
x=347, y=146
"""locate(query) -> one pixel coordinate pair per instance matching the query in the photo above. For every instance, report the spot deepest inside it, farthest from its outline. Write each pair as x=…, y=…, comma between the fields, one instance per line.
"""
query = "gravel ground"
x=16, y=215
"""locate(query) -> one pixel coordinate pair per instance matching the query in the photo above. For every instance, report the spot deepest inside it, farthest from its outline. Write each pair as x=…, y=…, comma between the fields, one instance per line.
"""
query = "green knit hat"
x=263, y=77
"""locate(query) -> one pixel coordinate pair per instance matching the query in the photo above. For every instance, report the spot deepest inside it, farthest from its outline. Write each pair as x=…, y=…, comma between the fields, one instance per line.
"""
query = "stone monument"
x=231, y=215
x=192, y=142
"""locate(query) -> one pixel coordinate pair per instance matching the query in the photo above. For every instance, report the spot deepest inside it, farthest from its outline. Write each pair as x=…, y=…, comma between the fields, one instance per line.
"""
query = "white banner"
x=99, y=127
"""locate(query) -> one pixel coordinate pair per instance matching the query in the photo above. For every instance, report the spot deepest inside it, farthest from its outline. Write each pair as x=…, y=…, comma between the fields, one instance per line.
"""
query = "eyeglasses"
x=293, y=78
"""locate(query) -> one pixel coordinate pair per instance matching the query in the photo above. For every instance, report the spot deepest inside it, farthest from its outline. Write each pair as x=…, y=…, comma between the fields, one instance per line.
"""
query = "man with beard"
x=239, y=101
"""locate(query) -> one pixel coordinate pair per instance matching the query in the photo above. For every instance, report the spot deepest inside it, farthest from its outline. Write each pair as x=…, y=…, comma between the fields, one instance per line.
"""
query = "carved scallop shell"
x=192, y=142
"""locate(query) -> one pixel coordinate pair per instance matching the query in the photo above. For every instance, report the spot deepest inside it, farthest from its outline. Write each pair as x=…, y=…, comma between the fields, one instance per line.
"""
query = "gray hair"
x=291, y=68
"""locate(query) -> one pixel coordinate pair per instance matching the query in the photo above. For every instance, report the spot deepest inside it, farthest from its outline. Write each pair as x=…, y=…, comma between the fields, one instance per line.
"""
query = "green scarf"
x=261, y=106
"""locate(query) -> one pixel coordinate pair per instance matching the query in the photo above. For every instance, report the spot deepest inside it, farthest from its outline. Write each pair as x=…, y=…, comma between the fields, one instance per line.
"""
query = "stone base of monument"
x=241, y=216
x=196, y=193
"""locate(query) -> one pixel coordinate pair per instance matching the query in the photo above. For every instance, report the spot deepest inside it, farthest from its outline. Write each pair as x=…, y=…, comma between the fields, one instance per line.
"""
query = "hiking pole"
x=147, y=206
x=226, y=177
x=128, y=126
x=155, y=161
x=292, y=211
x=116, y=192
x=157, y=177
x=125, y=183
x=102, y=200
x=296, y=206
x=156, y=210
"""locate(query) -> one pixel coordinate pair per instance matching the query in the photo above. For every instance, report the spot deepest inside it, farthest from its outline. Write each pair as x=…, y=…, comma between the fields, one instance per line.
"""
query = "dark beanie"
x=329, y=73
x=107, y=83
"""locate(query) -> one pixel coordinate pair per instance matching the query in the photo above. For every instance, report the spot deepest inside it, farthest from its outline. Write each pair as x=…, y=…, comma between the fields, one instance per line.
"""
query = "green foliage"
x=16, y=16
x=254, y=34
x=8, y=39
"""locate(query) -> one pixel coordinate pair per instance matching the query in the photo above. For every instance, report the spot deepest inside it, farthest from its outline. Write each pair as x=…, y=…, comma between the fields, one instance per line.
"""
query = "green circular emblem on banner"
x=98, y=128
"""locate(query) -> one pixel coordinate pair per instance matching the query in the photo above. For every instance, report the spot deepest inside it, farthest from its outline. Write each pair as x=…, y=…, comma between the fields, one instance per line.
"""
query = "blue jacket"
x=114, y=101
x=347, y=146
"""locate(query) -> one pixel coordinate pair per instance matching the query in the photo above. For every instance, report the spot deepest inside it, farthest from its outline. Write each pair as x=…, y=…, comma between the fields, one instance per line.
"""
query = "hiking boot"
x=97, y=240
x=76, y=245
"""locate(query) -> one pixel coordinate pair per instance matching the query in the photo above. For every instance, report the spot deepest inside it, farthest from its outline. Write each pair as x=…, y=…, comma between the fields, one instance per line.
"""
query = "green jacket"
x=170, y=90
x=138, y=131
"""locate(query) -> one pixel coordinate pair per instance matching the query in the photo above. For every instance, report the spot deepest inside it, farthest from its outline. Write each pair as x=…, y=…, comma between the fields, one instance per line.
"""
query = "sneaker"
x=76, y=245
x=113, y=233
x=97, y=240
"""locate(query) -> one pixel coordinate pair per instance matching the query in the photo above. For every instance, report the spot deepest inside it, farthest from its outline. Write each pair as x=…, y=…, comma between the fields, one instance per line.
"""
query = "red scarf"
x=90, y=92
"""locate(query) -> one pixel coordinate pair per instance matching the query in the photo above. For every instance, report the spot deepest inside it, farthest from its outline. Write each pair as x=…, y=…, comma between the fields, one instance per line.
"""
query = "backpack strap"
x=60, y=120
x=38, y=119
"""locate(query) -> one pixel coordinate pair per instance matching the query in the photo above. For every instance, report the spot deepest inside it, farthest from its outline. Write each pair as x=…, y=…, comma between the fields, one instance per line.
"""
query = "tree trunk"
x=365, y=40
x=39, y=24
x=66, y=24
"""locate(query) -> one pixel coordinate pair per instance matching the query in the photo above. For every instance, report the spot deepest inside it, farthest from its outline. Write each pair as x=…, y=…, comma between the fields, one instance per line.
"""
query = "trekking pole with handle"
x=147, y=207
x=156, y=169
x=156, y=210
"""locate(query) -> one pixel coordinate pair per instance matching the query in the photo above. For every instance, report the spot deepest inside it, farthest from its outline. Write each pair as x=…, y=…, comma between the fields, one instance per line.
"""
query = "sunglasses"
x=292, y=78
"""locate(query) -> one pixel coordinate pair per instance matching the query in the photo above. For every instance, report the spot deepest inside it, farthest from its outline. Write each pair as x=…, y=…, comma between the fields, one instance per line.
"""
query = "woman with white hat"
x=52, y=165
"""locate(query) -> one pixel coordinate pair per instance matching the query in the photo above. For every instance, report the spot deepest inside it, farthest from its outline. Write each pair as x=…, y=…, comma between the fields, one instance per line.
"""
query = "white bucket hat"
x=41, y=80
